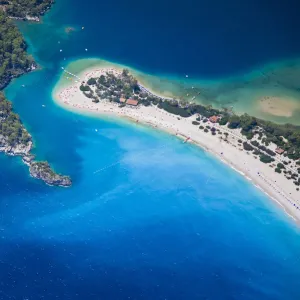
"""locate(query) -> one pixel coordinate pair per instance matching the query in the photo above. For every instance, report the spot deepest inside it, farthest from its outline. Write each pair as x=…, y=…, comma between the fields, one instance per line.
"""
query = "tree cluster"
x=11, y=127
x=14, y=60
x=23, y=8
x=286, y=136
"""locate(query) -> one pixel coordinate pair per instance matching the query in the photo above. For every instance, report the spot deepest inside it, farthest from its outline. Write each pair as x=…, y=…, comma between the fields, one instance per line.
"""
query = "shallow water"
x=148, y=217
x=230, y=65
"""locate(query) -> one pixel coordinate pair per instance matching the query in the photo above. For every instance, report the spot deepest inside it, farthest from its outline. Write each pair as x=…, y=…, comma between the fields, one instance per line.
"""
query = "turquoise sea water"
x=148, y=217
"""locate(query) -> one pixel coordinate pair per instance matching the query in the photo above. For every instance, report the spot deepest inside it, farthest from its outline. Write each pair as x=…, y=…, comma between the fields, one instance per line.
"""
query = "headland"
x=14, y=138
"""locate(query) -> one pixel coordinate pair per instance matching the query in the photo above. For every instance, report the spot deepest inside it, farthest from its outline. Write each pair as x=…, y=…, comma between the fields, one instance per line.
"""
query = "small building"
x=279, y=150
x=214, y=119
x=132, y=102
x=122, y=100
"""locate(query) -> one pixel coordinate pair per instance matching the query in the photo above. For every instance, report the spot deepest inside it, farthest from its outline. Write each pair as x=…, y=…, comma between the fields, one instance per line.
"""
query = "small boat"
x=60, y=50
x=23, y=85
x=82, y=27
x=186, y=140
x=43, y=105
x=186, y=76
x=96, y=130
x=86, y=49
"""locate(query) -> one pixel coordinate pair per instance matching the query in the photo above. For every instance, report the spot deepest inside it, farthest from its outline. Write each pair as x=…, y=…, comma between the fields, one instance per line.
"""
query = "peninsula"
x=14, y=61
x=266, y=153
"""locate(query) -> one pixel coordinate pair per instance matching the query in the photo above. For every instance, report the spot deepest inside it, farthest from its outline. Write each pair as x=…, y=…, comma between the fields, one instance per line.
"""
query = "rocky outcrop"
x=43, y=171
x=39, y=170
x=17, y=149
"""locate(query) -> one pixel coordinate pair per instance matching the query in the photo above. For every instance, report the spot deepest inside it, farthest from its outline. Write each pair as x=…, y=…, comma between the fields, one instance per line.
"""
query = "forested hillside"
x=11, y=129
x=23, y=8
x=14, y=60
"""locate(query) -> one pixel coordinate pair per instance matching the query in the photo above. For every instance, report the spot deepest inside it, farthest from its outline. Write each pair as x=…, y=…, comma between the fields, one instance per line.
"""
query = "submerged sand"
x=241, y=94
x=276, y=106
x=275, y=185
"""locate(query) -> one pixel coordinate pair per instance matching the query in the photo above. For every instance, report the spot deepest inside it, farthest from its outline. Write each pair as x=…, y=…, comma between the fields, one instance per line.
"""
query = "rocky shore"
x=38, y=170
x=5, y=80
x=14, y=138
x=43, y=171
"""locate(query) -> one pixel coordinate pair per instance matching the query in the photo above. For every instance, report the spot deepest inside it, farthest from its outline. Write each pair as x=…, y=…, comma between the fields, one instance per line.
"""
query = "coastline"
x=261, y=175
x=242, y=94
x=17, y=141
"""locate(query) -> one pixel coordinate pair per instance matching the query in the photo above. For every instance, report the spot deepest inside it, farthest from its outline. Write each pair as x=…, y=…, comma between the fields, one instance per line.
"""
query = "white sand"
x=275, y=185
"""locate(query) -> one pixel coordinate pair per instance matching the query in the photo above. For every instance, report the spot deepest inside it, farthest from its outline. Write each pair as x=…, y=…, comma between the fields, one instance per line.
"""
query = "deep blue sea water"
x=148, y=217
x=206, y=39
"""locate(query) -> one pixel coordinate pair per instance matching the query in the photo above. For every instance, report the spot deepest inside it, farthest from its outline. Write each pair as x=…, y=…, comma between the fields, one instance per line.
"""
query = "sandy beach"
x=275, y=185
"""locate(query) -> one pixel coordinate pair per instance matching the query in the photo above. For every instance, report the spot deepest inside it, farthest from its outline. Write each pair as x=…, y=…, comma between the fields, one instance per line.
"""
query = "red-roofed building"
x=279, y=150
x=214, y=119
x=122, y=100
x=132, y=102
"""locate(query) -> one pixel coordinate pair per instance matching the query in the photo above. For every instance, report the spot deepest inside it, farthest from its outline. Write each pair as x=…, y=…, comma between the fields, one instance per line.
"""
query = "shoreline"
x=242, y=95
x=19, y=142
x=275, y=186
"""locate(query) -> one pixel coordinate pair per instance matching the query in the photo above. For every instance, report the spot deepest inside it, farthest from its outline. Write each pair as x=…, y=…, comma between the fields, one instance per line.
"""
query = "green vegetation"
x=263, y=148
x=42, y=170
x=84, y=88
x=23, y=8
x=91, y=81
x=275, y=133
x=11, y=127
x=14, y=60
x=266, y=158
x=44, y=167
x=247, y=147
x=113, y=87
